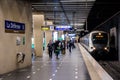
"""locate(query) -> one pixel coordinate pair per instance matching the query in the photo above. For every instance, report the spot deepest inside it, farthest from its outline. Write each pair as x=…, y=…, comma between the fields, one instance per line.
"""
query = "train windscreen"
x=100, y=38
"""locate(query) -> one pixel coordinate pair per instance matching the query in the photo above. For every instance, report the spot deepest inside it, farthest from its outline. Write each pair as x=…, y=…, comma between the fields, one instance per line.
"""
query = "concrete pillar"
x=77, y=37
x=38, y=21
x=48, y=22
x=60, y=34
x=67, y=37
x=48, y=34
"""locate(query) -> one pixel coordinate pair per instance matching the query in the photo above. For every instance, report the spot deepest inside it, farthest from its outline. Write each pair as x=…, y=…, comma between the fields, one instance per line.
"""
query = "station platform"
x=77, y=65
x=70, y=66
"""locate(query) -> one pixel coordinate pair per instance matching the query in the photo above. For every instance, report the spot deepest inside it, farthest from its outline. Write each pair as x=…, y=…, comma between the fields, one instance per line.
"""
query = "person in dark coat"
x=70, y=46
x=57, y=48
x=50, y=48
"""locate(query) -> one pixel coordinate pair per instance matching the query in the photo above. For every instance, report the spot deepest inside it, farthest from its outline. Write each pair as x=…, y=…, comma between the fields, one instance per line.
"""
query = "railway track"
x=112, y=68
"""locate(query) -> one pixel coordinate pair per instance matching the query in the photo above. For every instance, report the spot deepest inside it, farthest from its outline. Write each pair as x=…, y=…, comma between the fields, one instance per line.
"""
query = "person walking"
x=63, y=47
x=57, y=48
x=70, y=46
x=50, y=48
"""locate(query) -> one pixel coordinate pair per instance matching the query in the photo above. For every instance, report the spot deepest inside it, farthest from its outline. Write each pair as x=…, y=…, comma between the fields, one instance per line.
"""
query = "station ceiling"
x=76, y=12
x=64, y=12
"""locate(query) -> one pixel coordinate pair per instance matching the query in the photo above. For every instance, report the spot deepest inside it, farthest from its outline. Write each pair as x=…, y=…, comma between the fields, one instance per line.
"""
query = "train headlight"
x=93, y=48
x=106, y=48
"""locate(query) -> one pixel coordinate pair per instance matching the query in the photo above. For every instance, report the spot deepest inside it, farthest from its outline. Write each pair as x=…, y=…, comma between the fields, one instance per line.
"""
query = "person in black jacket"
x=70, y=45
x=50, y=48
x=57, y=48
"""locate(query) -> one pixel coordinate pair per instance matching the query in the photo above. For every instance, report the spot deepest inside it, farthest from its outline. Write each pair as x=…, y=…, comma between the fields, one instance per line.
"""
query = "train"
x=96, y=43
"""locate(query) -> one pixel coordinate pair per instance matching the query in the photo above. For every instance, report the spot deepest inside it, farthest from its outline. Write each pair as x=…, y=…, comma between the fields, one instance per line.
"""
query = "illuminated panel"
x=45, y=28
x=99, y=36
x=63, y=27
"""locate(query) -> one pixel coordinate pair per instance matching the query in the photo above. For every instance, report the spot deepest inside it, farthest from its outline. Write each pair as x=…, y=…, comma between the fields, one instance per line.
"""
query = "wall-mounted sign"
x=18, y=41
x=45, y=28
x=23, y=41
x=14, y=27
x=51, y=27
x=63, y=27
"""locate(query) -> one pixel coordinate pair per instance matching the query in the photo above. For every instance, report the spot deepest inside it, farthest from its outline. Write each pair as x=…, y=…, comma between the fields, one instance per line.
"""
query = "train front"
x=101, y=44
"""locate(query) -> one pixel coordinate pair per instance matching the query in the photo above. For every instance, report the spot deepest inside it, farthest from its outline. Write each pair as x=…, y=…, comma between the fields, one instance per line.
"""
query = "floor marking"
x=76, y=77
x=53, y=74
x=34, y=72
x=76, y=72
x=38, y=69
x=50, y=79
x=28, y=77
x=55, y=70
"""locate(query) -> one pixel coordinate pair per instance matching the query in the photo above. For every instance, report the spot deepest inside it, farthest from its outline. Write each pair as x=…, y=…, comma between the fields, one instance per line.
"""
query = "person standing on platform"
x=67, y=44
x=57, y=48
x=63, y=47
x=70, y=45
x=50, y=48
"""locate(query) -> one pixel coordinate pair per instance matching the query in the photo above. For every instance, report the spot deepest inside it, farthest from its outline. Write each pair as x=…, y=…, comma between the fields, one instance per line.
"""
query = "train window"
x=100, y=39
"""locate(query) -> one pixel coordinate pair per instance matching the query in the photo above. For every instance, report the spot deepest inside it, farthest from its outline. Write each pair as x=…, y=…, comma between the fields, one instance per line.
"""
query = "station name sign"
x=14, y=27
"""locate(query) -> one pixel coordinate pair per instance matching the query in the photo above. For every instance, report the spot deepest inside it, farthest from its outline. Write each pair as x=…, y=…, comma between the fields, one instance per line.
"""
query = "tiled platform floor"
x=68, y=67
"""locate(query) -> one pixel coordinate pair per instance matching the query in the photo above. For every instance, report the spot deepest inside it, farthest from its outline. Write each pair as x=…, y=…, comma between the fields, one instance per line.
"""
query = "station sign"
x=63, y=27
x=14, y=27
x=45, y=28
x=51, y=27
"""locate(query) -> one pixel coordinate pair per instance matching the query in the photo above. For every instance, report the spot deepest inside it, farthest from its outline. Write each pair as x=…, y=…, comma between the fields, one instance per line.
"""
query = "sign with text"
x=45, y=28
x=63, y=27
x=14, y=27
